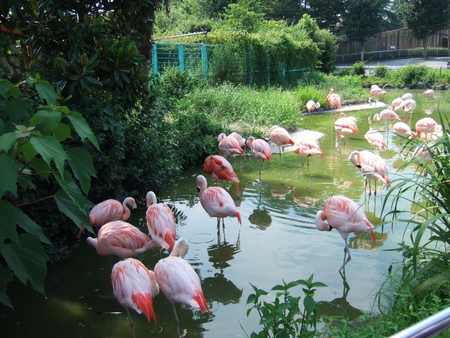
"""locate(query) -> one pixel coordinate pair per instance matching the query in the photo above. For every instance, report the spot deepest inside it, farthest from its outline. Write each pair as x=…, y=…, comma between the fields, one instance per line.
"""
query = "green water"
x=277, y=240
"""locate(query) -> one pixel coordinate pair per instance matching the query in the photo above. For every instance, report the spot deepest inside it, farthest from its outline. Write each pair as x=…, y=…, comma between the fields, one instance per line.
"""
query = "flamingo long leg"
x=177, y=322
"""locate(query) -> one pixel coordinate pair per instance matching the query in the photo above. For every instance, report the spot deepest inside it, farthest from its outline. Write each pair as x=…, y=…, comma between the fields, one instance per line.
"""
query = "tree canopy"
x=425, y=18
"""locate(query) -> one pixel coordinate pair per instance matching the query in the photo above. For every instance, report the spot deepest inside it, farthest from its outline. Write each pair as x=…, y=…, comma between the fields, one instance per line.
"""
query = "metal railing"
x=429, y=327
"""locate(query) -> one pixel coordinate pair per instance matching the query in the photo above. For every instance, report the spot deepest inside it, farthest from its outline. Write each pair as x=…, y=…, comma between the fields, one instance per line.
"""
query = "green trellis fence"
x=196, y=59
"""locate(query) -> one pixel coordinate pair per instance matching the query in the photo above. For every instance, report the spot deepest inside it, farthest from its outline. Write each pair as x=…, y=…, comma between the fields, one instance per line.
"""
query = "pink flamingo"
x=110, y=210
x=219, y=168
x=135, y=287
x=375, y=139
x=407, y=105
x=346, y=217
x=260, y=150
x=427, y=125
x=179, y=281
x=216, y=201
x=344, y=126
x=238, y=138
x=376, y=92
x=333, y=99
x=402, y=129
x=229, y=146
x=160, y=222
x=430, y=93
x=280, y=137
x=395, y=103
x=121, y=239
x=387, y=115
x=311, y=106
x=372, y=166
x=307, y=147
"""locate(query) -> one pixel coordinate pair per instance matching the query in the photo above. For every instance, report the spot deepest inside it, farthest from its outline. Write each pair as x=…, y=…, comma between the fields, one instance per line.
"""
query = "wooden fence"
x=394, y=40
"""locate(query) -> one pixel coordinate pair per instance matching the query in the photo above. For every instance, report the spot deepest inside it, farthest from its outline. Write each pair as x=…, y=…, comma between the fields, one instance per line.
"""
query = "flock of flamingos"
x=135, y=286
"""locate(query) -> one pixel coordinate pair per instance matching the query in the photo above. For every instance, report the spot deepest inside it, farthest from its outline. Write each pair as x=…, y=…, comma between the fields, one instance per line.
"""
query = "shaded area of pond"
x=277, y=241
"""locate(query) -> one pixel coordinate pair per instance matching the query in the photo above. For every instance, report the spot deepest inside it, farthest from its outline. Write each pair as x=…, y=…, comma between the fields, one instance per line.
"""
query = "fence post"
x=155, y=58
x=250, y=67
x=181, y=57
x=205, y=62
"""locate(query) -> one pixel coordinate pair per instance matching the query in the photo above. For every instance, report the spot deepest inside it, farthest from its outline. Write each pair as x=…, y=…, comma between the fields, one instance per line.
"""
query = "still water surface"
x=277, y=241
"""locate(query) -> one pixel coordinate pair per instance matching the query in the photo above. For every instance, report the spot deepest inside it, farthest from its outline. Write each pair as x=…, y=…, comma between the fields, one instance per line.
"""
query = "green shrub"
x=411, y=75
x=381, y=71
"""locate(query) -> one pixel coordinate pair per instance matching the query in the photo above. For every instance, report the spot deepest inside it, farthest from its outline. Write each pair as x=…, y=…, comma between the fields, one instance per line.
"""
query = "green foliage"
x=411, y=75
x=284, y=316
x=425, y=19
x=381, y=71
x=362, y=19
x=37, y=165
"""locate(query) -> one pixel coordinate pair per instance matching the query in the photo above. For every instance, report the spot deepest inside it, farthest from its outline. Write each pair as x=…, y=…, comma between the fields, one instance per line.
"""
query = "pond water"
x=277, y=241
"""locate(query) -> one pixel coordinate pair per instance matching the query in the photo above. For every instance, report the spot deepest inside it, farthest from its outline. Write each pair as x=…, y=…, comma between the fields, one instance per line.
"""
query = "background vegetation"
x=91, y=59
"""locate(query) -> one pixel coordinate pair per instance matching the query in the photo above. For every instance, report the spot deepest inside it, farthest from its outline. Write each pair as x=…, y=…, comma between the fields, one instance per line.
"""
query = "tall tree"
x=326, y=12
x=362, y=19
x=425, y=18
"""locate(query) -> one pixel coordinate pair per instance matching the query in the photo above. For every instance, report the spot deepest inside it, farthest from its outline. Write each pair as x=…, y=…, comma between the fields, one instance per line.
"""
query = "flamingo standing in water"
x=260, y=150
x=346, y=217
x=395, y=103
x=220, y=169
x=427, y=125
x=110, y=210
x=160, y=222
x=402, y=129
x=376, y=92
x=307, y=147
x=333, y=99
x=407, y=105
x=372, y=166
x=179, y=281
x=344, y=127
x=121, y=239
x=280, y=137
x=135, y=287
x=228, y=145
x=375, y=138
x=217, y=202
x=311, y=105
x=430, y=93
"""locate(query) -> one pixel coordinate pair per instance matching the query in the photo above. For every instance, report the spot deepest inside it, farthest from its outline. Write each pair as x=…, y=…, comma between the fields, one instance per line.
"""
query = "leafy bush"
x=40, y=172
x=284, y=317
x=411, y=75
x=381, y=71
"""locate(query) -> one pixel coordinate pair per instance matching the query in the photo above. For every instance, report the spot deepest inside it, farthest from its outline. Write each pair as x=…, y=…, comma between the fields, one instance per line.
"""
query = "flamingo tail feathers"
x=201, y=300
x=144, y=303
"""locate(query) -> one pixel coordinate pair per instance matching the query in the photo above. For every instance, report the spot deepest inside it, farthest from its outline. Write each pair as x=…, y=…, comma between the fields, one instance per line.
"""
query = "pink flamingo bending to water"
x=346, y=217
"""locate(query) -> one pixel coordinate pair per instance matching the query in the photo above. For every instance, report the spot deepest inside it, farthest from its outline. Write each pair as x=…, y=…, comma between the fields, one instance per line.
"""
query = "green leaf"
x=48, y=119
x=309, y=304
x=50, y=149
x=83, y=167
x=16, y=110
x=4, y=88
x=42, y=168
x=83, y=128
x=7, y=140
x=28, y=151
x=47, y=92
x=27, y=260
x=62, y=132
x=30, y=226
x=5, y=278
x=8, y=175
x=8, y=222
x=70, y=209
